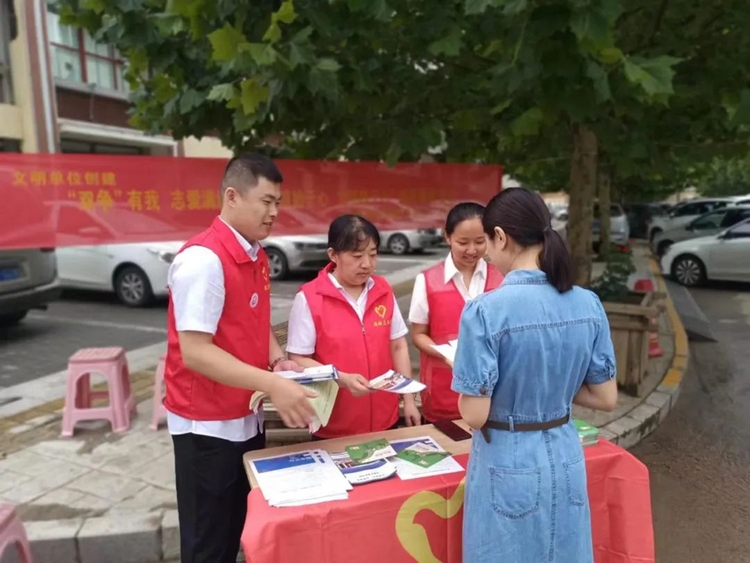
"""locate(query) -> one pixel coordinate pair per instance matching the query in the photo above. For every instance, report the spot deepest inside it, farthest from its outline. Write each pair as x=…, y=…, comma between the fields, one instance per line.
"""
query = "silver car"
x=295, y=253
x=619, y=228
x=711, y=223
x=28, y=280
x=413, y=240
x=724, y=257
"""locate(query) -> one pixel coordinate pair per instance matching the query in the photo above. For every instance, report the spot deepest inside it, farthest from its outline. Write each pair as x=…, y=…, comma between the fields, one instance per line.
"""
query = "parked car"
x=295, y=253
x=708, y=224
x=136, y=272
x=725, y=256
x=639, y=215
x=619, y=228
x=28, y=280
x=682, y=213
x=416, y=240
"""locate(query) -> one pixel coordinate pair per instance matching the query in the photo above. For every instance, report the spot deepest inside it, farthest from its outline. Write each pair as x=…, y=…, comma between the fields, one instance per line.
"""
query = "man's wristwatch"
x=276, y=362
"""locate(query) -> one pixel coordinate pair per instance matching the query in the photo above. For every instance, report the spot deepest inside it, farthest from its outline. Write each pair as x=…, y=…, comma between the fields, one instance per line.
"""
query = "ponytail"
x=555, y=261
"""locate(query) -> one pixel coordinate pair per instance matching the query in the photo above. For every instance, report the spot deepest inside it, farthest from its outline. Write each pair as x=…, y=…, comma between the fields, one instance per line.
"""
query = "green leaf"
x=466, y=119
x=261, y=53
x=591, y=26
x=191, y=99
x=601, y=81
x=226, y=43
x=472, y=7
x=286, y=13
x=449, y=45
x=328, y=65
x=253, y=94
x=741, y=114
x=163, y=88
x=501, y=107
x=610, y=55
x=393, y=153
x=96, y=6
x=222, y=92
x=515, y=7
x=273, y=33
x=654, y=75
x=528, y=123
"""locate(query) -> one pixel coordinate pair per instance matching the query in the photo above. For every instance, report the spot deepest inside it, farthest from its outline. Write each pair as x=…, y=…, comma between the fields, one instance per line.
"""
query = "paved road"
x=42, y=344
x=700, y=457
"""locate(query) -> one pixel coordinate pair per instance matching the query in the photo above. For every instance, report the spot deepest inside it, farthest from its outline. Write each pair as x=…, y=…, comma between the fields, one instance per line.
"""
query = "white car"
x=682, y=213
x=136, y=272
x=725, y=257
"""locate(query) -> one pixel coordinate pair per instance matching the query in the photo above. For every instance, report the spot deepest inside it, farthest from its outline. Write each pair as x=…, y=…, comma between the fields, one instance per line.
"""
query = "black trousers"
x=212, y=489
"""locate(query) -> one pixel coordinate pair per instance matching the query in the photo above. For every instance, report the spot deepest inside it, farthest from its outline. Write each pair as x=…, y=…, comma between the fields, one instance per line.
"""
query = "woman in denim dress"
x=526, y=352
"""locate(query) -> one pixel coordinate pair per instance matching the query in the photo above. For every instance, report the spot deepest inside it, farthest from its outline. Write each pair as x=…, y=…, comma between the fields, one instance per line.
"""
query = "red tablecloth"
x=420, y=520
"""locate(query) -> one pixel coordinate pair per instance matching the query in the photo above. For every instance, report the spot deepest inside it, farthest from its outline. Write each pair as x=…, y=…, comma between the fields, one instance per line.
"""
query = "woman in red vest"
x=349, y=317
x=438, y=299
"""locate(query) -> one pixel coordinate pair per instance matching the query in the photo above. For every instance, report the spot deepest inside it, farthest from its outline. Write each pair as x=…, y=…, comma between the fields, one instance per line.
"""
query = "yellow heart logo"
x=380, y=311
x=413, y=537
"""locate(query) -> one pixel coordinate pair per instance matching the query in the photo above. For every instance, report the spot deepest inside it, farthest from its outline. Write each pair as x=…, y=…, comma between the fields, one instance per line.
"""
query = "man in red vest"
x=220, y=349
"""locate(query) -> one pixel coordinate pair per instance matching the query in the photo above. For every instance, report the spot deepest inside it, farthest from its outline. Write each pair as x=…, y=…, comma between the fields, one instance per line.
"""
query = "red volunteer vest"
x=243, y=331
x=354, y=347
x=446, y=304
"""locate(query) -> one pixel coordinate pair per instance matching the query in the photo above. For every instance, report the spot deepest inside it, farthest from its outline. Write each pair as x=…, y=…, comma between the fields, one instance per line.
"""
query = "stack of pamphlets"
x=587, y=432
x=301, y=478
x=394, y=382
x=368, y=472
x=322, y=380
x=448, y=351
x=422, y=457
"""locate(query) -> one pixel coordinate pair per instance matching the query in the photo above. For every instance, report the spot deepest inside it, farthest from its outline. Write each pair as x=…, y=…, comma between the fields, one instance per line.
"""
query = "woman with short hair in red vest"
x=438, y=300
x=349, y=317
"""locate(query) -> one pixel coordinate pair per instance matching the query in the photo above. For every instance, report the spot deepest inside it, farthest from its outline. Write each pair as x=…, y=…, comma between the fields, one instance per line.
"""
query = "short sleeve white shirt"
x=301, y=337
x=419, y=310
x=196, y=284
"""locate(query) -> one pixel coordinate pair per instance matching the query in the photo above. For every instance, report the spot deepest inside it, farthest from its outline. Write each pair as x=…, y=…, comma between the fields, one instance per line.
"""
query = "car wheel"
x=653, y=234
x=689, y=271
x=398, y=244
x=664, y=245
x=133, y=287
x=277, y=264
x=11, y=319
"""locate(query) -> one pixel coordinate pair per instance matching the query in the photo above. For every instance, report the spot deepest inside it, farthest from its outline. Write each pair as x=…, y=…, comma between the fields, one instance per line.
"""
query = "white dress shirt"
x=301, y=337
x=196, y=281
x=419, y=311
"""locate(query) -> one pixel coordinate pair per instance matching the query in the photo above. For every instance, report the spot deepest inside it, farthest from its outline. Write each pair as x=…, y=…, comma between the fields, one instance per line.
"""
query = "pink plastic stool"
x=160, y=412
x=13, y=532
x=112, y=364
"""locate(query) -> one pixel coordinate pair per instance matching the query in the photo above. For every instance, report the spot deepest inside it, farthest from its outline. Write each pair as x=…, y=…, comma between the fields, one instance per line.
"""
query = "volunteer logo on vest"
x=254, y=300
x=381, y=311
x=264, y=273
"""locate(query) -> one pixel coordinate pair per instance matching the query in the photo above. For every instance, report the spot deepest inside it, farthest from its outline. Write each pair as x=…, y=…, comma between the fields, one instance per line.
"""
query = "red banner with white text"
x=75, y=199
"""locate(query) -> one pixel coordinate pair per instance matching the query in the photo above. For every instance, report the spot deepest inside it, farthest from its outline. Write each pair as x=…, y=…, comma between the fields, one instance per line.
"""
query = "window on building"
x=74, y=146
x=77, y=58
x=7, y=22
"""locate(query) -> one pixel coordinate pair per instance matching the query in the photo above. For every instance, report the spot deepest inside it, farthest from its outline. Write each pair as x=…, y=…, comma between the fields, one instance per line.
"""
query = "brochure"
x=408, y=470
x=587, y=432
x=370, y=451
x=311, y=375
x=366, y=473
x=300, y=478
x=422, y=454
x=448, y=351
x=322, y=404
x=394, y=382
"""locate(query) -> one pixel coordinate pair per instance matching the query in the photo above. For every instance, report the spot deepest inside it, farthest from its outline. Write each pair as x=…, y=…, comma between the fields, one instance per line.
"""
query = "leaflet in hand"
x=322, y=404
x=448, y=351
x=587, y=432
x=394, y=382
x=301, y=478
x=377, y=470
x=311, y=375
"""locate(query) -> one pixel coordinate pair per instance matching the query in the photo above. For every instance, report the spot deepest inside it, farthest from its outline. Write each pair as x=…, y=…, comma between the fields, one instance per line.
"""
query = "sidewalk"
x=105, y=497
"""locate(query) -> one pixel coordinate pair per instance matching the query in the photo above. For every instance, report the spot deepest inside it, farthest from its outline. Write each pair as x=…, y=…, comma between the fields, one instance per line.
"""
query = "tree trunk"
x=605, y=223
x=580, y=210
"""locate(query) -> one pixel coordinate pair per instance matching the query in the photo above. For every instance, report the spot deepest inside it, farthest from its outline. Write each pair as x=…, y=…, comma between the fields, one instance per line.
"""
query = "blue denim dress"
x=530, y=349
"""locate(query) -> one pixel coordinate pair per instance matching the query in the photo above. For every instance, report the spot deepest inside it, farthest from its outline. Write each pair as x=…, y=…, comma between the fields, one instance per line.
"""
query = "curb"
x=634, y=426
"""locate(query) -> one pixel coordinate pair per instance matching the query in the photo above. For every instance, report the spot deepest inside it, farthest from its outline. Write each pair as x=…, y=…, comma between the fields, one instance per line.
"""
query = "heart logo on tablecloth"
x=380, y=311
x=413, y=536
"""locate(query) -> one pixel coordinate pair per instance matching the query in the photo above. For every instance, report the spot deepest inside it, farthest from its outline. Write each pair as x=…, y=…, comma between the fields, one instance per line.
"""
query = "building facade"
x=61, y=92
